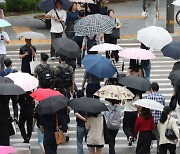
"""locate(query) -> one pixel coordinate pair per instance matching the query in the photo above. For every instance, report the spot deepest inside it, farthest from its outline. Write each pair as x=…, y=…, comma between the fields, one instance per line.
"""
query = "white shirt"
x=56, y=26
x=129, y=106
x=3, y=43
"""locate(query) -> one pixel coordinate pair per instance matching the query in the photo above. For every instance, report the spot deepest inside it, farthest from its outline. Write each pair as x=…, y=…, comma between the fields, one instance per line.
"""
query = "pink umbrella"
x=7, y=150
x=136, y=53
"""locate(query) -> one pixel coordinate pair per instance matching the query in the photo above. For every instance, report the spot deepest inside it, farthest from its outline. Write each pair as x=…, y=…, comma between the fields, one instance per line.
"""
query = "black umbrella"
x=10, y=89
x=135, y=82
x=5, y=80
x=174, y=76
x=51, y=104
x=66, y=47
x=87, y=104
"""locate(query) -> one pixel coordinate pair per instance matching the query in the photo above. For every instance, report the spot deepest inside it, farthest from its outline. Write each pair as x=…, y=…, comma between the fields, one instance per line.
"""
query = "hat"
x=44, y=56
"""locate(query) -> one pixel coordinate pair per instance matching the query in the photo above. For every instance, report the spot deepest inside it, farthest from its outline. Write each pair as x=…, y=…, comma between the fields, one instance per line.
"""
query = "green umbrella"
x=4, y=23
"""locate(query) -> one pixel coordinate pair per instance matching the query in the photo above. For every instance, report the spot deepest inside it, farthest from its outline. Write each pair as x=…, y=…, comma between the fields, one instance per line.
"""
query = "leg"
x=163, y=149
x=113, y=134
x=107, y=39
x=15, y=105
x=127, y=124
x=50, y=149
x=30, y=124
x=98, y=150
x=1, y=61
x=172, y=148
x=92, y=150
x=40, y=139
x=133, y=116
x=156, y=133
x=80, y=136
x=53, y=36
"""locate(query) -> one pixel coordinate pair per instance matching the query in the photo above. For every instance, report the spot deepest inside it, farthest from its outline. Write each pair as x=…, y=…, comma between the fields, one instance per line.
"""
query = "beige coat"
x=162, y=128
x=95, y=130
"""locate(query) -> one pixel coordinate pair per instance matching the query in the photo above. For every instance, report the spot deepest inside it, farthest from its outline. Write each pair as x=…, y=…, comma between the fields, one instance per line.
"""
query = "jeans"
x=113, y=134
x=40, y=137
x=164, y=147
x=156, y=134
x=81, y=132
x=147, y=69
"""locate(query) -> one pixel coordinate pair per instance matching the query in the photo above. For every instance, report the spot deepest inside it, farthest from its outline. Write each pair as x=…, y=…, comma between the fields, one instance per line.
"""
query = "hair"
x=7, y=62
x=144, y=47
x=154, y=86
x=112, y=101
x=58, y=1
x=135, y=92
x=70, y=9
x=63, y=58
x=146, y=113
x=109, y=11
x=81, y=13
x=165, y=113
x=44, y=56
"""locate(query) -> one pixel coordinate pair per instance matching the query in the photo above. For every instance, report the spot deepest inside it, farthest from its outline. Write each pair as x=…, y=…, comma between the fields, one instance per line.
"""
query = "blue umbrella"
x=172, y=50
x=47, y=5
x=99, y=66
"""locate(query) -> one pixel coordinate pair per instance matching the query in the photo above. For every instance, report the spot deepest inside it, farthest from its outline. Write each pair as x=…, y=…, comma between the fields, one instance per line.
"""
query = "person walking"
x=154, y=88
x=58, y=17
x=3, y=41
x=108, y=38
x=144, y=126
x=166, y=121
x=95, y=136
x=27, y=54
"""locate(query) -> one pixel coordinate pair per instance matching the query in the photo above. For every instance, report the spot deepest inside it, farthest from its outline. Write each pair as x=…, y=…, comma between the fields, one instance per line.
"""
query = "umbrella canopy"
x=148, y=36
x=99, y=66
x=94, y=25
x=10, y=89
x=150, y=104
x=7, y=150
x=174, y=76
x=31, y=35
x=136, y=53
x=26, y=81
x=172, y=50
x=5, y=80
x=114, y=92
x=87, y=104
x=66, y=47
x=4, y=23
x=176, y=3
x=41, y=94
x=83, y=1
x=51, y=105
x=105, y=47
x=135, y=82
x=47, y=5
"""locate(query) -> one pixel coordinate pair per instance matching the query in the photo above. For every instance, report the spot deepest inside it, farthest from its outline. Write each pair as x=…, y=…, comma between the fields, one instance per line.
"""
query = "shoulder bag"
x=62, y=23
x=170, y=135
x=115, y=32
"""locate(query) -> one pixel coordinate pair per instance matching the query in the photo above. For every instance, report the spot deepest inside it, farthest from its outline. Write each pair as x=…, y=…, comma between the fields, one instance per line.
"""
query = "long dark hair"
x=165, y=113
x=113, y=101
x=146, y=113
x=70, y=9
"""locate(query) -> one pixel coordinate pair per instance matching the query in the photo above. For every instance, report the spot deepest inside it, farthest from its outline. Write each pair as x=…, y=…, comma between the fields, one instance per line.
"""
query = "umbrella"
x=5, y=80
x=174, y=76
x=135, y=82
x=105, y=47
x=31, y=35
x=7, y=150
x=2, y=1
x=172, y=50
x=150, y=104
x=83, y=1
x=99, y=66
x=4, y=23
x=47, y=5
x=136, y=53
x=176, y=3
x=87, y=104
x=41, y=94
x=114, y=92
x=154, y=37
x=66, y=47
x=51, y=104
x=94, y=25
x=10, y=89
x=26, y=81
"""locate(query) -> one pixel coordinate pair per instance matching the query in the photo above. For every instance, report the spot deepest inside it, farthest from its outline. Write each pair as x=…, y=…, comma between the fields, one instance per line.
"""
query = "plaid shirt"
x=159, y=98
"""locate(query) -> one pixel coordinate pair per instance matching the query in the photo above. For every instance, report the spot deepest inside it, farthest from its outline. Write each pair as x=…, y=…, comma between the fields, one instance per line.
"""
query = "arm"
x=118, y=23
x=136, y=128
x=83, y=83
x=87, y=124
x=157, y=9
x=21, y=56
x=49, y=15
x=33, y=51
x=80, y=116
x=6, y=38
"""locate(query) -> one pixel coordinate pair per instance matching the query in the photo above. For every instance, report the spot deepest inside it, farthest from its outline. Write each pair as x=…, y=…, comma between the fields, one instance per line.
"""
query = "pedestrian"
x=136, y=70
x=95, y=136
x=93, y=8
x=44, y=72
x=144, y=126
x=152, y=8
x=27, y=54
x=27, y=105
x=154, y=88
x=72, y=17
x=93, y=84
x=58, y=17
x=166, y=121
x=1, y=14
x=108, y=38
x=4, y=40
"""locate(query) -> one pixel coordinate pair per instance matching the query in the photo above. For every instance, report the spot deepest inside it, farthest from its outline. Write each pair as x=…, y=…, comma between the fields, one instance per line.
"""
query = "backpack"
x=91, y=42
x=45, y=77
x=66, y=76
x=6, y=73
x=113, y=118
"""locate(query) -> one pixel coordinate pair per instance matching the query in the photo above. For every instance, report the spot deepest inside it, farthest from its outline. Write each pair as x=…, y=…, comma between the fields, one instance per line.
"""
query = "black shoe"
x=130, y=141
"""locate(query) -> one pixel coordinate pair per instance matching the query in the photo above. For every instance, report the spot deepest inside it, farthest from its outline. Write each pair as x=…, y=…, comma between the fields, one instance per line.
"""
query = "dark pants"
x=164, y=147
x=129, y=121
x=113, y=134
x=144, y=142
x=4, y=134
x=50, y=148
x=53, y=37
x=26, y=116
x=15, y=105
x=91, y=89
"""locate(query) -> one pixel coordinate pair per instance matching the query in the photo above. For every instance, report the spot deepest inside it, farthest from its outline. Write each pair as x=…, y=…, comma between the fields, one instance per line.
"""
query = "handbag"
x=59, y=136
x=62, y=23
x=33, y=64
x=170, y=133
x=107, y=137
x=115, y=32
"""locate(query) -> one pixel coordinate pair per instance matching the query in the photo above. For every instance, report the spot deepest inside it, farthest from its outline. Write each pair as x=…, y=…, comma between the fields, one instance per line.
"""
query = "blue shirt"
x=72, y=17
x=6, y=71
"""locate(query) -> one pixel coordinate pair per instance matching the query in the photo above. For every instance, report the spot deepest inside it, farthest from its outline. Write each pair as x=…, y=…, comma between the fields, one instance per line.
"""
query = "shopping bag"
x=33, y=64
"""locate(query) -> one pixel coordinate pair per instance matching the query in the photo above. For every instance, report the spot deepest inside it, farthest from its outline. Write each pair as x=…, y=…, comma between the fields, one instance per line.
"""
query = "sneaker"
x=130, y=141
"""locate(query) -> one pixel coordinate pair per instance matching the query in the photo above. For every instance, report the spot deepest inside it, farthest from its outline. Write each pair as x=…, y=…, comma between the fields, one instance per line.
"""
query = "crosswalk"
x=161, y=66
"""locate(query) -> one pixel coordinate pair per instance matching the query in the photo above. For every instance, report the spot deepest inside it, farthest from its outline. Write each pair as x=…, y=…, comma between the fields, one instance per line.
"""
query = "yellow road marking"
x=20, y=29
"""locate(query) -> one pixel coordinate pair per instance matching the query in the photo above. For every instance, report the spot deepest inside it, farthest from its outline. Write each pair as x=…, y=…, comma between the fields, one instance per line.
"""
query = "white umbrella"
x=105, y=47
x=150, y=104
x=176, y=3
x=83, y=1
x=154, y=37
x=31, y=35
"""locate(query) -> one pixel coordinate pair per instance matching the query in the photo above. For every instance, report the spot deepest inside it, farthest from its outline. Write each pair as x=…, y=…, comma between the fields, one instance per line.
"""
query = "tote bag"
x=33, y=64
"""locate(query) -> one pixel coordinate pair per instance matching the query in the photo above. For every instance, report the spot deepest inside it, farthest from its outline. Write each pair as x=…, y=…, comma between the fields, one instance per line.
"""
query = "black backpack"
x=66, y=76
x=45, y=77
x=91, y=42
